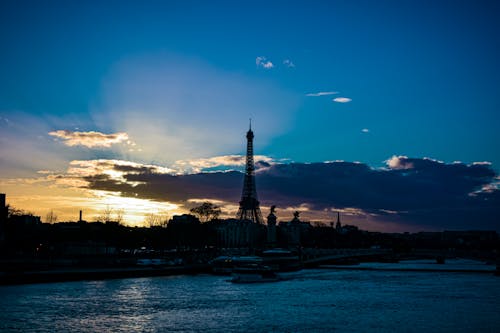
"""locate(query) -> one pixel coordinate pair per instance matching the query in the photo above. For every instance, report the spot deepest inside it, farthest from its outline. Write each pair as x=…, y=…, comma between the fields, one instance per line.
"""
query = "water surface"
x=314, y=300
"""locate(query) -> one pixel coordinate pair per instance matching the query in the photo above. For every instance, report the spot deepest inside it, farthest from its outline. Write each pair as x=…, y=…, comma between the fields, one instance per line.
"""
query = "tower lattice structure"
x=249, y=204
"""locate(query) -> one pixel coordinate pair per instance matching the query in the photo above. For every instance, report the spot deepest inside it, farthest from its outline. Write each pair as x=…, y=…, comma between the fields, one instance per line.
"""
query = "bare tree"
x=105, y=215
x=51, y=217
x=159, y=219
x=13, y=211
x=207, y=211
x=119, y=215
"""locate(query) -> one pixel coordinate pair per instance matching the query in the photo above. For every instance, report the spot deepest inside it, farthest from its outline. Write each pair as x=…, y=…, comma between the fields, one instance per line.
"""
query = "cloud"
x=412, y=194
x=365, y=130
x=114, y=168
x=399, y=163
x=322, y=93
x=263, y=62
x=219, y=163
x=90, y=139
x=404, y=162
x=45, y=172
x=342, y=100
x=288, y=63
x=80, y=172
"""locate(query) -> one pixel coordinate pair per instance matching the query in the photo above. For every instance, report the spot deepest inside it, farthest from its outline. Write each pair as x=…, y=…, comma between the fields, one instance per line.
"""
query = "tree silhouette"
x=12, y=211
x=51, y=217
x=156, y=220
x=207, y=211
x=105, y=215
x=119, y=215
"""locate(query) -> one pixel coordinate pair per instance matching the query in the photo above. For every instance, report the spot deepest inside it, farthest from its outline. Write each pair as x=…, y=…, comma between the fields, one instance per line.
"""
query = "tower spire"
x=338, y=226
x=249, y=204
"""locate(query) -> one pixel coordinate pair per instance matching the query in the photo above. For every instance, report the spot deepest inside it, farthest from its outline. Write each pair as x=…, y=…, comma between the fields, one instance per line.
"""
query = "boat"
x=224, y=265
x=254, y=273
x=440, y=260
x=281, y=260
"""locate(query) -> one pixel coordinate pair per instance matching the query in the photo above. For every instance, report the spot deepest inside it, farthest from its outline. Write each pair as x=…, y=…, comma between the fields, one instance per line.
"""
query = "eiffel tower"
x=249, y=205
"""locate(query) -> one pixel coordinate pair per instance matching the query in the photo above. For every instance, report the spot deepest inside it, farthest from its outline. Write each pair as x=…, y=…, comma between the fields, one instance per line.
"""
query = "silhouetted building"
x=3, y=216
x=186, y=232
x=80, y=219
x=26, y=219
x=249, y=204
x=234, y=233
x=184, y=219
x=348, y=229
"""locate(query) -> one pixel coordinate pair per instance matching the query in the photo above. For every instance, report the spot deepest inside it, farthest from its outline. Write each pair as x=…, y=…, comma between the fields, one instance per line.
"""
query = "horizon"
x=384, y=112
x=155, y=222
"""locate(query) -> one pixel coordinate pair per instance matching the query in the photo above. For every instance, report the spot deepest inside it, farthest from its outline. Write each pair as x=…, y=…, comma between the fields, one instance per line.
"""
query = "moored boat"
x=254, y=273
x=224, y=265
x=281, y=260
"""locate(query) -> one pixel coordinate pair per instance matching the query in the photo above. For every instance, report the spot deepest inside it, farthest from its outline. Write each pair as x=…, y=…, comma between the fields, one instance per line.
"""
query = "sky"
x=386, y=111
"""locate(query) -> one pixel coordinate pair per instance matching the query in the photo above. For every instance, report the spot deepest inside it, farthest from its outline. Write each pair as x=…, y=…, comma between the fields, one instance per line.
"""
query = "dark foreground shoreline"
x=81, y=274
x=78, y=274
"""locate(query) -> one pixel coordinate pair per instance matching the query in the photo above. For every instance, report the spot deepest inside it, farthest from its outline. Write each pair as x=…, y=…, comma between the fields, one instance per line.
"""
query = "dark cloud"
x=134, y=168
x=411, y=191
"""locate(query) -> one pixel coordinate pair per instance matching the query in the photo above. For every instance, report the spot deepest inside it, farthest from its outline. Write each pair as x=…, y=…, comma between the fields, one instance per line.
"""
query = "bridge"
x=314, y=257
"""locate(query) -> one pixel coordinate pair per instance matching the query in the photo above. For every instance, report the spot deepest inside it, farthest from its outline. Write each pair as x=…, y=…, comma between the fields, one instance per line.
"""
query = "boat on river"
x=254, y=273
x=278, y=260
x=281, y=260
x=224, y=265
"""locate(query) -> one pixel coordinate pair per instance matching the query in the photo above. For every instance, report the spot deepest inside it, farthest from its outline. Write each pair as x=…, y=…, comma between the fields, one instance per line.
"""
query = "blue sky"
x=181, y=79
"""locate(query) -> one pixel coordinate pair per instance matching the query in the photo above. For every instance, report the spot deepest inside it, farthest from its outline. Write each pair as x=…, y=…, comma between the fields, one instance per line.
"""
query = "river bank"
x=78, y=274
x=104, y=273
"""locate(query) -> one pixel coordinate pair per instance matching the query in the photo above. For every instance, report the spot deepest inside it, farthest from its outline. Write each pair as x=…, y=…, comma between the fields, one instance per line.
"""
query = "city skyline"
x=361, y=108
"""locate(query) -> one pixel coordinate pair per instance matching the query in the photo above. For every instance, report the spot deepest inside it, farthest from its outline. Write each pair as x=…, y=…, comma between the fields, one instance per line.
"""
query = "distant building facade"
x=235, y=233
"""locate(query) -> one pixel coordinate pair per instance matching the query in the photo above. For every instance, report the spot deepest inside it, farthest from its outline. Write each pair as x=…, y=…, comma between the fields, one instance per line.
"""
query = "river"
x=316, y=300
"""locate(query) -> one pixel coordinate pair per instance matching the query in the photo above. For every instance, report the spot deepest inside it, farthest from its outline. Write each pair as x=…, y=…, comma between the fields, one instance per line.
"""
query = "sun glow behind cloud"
x=179, y=108
x=135, y=209
x=225, y=162
x=68, y=201
x=68, y=192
